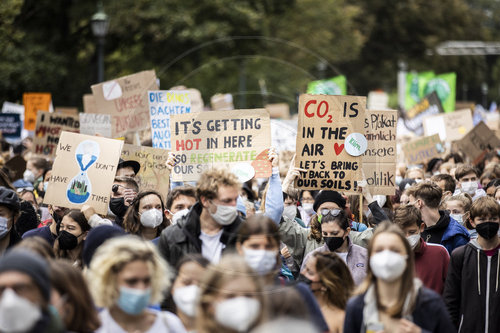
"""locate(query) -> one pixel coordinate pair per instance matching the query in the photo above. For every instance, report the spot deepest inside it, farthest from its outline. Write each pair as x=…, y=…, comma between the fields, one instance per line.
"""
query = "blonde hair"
x=210, y=180
x=112, y=256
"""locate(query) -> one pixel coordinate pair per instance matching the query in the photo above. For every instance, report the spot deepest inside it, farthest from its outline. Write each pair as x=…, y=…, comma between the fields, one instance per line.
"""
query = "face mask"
x=151, y=218
x=238, y=313
x=225, y=215
x=308, y=208
x=398, y=180
x=413, y=240
x=418, y=180
x=333, y=243
x=179, y=215
x=29, y=176
x=469, y=187
x=387, y=265
x=381, y=200
x=45, y=186
x=458, y=218
x=67, y=241
x=261, y=261
x=290, y=212
x=117, y=206
x=487, y=230
x=133, y=301
x=17, y=314
x=185, y=299
x=4, y=227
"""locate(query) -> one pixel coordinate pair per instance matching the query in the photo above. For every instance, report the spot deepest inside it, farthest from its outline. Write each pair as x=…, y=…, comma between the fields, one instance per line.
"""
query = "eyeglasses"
x=333, y=212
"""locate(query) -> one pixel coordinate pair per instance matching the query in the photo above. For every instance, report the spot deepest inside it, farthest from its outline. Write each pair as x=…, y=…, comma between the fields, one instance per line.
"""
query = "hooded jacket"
x=472, y=291
x=184, y=236
x=453, y=236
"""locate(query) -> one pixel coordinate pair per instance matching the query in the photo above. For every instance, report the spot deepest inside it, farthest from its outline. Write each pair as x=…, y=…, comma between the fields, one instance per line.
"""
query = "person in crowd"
x=145, y=217
x=434, y=165
x=186, y=288
x=471, y=292
x=127, y=168
x=332, y=285
x=335, y=229
x=71, y=298
x=96, y=237
x=458, y=207
x=491, y=187
x=306, y=210
x=290, y=209
x=285, y=302
x=400, y=173
x=417, y=174
x=125, y=276
x=231, y=299
x=25, y=294
x=27, y=220
x=37, y=245
x=446, y=183
x=403, y=190
x=35, y=168
x=467, y=178
x=440, y=228
x=123, y=193
x=179, y=201
x=486, y=178
x=30, y=197
x=390, y=299
x=211, y=225
x=50, y=230
x=5, y=179
x=9, y=212
x=72, y=233
x=431, y=260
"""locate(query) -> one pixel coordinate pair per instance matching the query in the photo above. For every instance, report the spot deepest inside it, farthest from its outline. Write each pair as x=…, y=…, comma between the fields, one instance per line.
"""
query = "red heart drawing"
x=338, y=148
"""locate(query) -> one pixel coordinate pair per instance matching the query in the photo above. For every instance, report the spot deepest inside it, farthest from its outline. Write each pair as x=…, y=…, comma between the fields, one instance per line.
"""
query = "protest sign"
x=334, y=86
x=283, y=134
x=429, y=105
x=83, y=171
x=415, y=85
x=377, y=100
x=217, y=139
x=162, y=104
x=450, y=126
x=95, y=123
x=478, y=142
x=154, y=174
x=444, y=85
x=89, y=104
x=69, y=110
x=49, y=126
x=379, y=160
x=9, y=107
x=34, y=102
x=220, y=102
x=10, y=125
x=278, y=110
x=126, y=100
x=423, y=149
x=330, y=142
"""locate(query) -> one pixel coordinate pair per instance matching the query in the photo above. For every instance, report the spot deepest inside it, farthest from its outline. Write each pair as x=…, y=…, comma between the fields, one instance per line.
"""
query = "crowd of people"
x=260, y=256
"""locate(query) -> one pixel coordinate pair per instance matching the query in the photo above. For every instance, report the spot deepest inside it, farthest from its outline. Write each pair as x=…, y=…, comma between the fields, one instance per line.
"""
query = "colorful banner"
x=334, y=86
x=49, y=126
x=34, y=102
x=10, y=125
x=422, y=84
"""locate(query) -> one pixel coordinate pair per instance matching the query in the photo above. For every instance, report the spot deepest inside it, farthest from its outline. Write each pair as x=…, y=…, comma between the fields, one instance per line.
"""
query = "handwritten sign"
x=218, y=139
x=162, y=104
x=154, y=174
x=10, y=125
x=49, y=126
x=423, y=149
x=379, y=160
x=64, y=109
x=450, y=126
x=325, y=122
x=8, y=107
x=428, y=106
x=478, y=142
x=83, y=171
x=126, y=100
x=95, y=123
x=34, y=102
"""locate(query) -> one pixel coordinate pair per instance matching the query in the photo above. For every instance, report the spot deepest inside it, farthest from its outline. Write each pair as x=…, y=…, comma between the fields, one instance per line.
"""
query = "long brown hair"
x=407, y=277
x=79, y=218
x=132, y=220
x=258, y=225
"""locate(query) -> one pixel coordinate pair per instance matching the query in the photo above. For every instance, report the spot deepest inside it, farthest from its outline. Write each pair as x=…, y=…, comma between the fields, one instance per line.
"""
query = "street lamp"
x=100, y=24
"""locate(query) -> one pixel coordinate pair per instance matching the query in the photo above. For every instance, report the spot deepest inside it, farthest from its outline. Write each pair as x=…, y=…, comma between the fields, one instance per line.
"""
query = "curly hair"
x=209, y=182
x=111, y=257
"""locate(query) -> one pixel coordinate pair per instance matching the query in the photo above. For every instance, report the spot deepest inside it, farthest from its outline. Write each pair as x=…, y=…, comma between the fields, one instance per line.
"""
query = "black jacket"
x=429, y=314
x=472, y=278
x=184, y=237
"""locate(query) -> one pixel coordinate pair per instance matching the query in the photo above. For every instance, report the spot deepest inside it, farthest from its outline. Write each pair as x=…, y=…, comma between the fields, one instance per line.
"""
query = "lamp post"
x=100, y=24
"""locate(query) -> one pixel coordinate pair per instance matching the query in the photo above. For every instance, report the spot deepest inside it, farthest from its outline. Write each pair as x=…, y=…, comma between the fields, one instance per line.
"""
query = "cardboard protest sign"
x=429, y=105
x=49, y=126
x=83, y=171
x=283, y=134
x=34, y=102
x=379, y=160
x=89, y=104
x=450, y=126
x=330, y=142
x=217, y=139
x=334, y=86
x=377, y=100
x=478, y=142
x=423, y=149
x=220, y=102
x=95, y=123
x=154, y=174
x=9, y=107
x=70, y=110
x=126, y=100
x=10, y=125
x=162, y=104
x=278, y=110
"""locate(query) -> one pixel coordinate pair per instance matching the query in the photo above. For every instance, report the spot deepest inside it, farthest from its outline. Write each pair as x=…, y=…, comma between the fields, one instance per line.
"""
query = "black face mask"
x=487, y=230
x=67, y=241
x=304, y=279
x=117, y=206
x=333, y=243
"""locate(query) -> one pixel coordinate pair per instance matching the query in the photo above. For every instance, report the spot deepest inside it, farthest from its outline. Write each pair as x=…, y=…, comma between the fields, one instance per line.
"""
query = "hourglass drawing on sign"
x=80, y=188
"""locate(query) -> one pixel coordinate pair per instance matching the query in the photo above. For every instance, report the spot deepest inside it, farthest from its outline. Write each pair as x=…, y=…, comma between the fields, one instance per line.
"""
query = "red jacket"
x=431, y=265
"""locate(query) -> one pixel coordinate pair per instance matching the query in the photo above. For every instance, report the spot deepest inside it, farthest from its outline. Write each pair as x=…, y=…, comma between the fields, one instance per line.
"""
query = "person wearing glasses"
x=335, y=229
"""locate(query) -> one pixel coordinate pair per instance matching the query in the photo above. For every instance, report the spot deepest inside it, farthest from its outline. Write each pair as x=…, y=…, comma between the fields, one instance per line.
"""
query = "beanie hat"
x=29, y=263
x=328, y=196
x=96, y=237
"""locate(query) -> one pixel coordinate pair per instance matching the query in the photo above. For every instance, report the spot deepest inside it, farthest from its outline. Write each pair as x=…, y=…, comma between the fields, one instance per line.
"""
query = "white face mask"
x=17, y=314
x=185, y=299
x=261, y=261
x=179, y=215
x=413, y=240
x=29, y=176
x=469, y=187
x=238, y=313
x=151, y=218
x=387, y=265
x=308, y=207
x=290, y=212
x=458, y=218
x=381, y=200
x=225, y=215
x=398, y=180
x=4, y=227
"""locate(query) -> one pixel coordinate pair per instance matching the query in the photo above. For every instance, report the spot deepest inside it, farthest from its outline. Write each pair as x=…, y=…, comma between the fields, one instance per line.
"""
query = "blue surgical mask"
x=133, y=301
x=4, y=227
